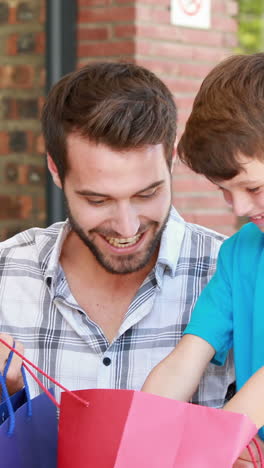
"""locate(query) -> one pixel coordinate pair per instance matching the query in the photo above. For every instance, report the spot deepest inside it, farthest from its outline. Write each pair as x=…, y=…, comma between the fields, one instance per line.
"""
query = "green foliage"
x=251, y=26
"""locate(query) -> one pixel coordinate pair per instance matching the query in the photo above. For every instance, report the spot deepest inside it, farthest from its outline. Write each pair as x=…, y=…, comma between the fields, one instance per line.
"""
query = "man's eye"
x=148, y=193
x=95, y=202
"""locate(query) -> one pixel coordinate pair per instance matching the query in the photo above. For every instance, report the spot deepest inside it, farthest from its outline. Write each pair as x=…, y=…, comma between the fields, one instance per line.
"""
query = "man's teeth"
x=123, y=242
x=257, y=217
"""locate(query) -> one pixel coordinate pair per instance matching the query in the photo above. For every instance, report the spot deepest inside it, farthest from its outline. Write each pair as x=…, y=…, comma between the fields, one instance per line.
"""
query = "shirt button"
x=107, y=361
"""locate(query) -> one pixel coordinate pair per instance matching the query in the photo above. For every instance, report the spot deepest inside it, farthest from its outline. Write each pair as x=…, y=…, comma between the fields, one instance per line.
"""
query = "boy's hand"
x=244, y=461
x=14, y=380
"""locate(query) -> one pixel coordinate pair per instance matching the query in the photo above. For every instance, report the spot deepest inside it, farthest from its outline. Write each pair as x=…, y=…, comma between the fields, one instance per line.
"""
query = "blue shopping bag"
x=28, y=435
x=16, y=400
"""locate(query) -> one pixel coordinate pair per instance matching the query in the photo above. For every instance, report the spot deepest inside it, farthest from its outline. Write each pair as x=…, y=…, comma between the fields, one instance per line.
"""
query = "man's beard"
x=123, y=264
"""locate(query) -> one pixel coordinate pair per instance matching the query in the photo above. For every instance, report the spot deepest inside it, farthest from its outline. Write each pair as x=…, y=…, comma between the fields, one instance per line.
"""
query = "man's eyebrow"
x=154, y=185
x=91, y=193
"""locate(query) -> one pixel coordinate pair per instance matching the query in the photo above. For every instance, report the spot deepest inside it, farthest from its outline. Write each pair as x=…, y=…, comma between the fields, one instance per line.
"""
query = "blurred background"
x=41, y=40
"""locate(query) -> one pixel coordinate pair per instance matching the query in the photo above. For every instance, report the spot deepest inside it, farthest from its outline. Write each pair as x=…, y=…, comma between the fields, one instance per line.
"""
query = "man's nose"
x=126, y=220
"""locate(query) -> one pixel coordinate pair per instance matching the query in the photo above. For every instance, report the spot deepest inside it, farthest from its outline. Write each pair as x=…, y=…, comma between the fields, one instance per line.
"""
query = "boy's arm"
x=249, y=399
x=179, y=374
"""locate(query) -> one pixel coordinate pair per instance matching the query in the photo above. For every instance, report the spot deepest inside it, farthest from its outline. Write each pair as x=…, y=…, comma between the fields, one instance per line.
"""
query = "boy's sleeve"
x=212, y=317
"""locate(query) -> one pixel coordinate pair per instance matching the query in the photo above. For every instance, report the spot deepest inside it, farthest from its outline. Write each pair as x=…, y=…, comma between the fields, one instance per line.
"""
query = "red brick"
x=193, y=184
x=232, y=8
x=182, y=85
x=12, y=15
x=4, y=143
x=154, y=3
x=219, y=7
x=166, y=50
x=125, y=30
x=42, y=13
x=25, y=206
x=85, y=3
x=40, y=209
x=183, y=102
x=210, y=219
x=230, y=40
x=193, y=69
x=16, y=76
x=200, y=37
x=40, y=146
x=212, y=55
x=40, y=43
x=224, y=23
x=19, y=207
x=159, y=66
x=91, y=34
x=107, y=14
x=11, y=45
x=158, y=31
x=113, y=49
x=42, y=77
x=199, y=202
x=153, y=15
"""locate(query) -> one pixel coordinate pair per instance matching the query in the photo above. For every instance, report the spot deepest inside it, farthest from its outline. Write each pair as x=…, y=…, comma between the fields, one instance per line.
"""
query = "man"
x=100, y=299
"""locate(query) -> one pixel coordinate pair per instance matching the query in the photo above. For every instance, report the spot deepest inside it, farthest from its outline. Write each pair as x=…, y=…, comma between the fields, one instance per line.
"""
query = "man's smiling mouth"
x=123, y=242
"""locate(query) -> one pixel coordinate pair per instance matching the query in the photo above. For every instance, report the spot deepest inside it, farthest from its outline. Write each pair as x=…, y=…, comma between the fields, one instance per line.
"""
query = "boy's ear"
x=54, y=171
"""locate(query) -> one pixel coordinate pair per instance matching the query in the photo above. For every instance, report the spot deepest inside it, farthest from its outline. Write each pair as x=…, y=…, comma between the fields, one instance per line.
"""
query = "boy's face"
x=245, y=192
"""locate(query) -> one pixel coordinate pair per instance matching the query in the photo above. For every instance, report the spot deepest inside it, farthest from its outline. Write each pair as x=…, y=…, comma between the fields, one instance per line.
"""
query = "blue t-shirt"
x=230, y=311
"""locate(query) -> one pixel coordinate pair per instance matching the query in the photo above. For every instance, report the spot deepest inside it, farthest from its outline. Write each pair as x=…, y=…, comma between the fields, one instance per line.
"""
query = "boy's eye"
x=253, y=190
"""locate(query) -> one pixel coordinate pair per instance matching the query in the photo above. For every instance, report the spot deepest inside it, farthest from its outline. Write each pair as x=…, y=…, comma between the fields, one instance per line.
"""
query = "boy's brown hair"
x=121, y=105
x=227, y=119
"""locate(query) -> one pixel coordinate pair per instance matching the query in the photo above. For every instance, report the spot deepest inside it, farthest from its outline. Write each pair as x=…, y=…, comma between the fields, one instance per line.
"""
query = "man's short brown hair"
x=227, y=119
x=121, y=105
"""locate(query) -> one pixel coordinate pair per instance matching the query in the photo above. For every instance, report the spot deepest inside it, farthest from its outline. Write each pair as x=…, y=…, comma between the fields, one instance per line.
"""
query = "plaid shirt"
x=38, y=308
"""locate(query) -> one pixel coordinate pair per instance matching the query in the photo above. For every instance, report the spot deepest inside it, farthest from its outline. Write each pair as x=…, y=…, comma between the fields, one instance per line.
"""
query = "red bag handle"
x=25, y=360
x=261, y=459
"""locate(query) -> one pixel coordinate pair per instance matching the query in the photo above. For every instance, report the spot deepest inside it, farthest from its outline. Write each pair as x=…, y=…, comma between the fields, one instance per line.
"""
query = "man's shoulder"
x=204, y=232
x=191, y=242
x=31, y=242
x=202, y=241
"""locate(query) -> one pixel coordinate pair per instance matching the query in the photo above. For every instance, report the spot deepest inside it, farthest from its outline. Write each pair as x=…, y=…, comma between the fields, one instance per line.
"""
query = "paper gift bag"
x=28, y=433
x=129, y=429
x=33, y=442
x=16, y=400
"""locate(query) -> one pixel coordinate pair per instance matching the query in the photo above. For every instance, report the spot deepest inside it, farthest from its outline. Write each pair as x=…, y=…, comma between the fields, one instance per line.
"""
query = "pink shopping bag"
x=128, y=429
x=101, y=428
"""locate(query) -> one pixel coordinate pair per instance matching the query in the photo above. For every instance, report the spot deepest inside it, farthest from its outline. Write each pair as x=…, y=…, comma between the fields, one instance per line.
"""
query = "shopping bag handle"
x=253, y=459
x=25, y=360
x=6, y=395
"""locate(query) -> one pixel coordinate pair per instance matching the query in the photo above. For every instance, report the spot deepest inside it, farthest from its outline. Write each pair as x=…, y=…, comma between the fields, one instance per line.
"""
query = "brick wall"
x=140, y=30
x=22, y=80
x=107, y=29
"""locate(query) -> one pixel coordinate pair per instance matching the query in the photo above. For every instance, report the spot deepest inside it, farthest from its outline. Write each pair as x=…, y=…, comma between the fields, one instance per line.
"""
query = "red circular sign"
x=191, y=7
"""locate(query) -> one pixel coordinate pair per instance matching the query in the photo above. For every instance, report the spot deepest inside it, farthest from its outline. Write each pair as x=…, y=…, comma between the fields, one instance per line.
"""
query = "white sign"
x=191, y=13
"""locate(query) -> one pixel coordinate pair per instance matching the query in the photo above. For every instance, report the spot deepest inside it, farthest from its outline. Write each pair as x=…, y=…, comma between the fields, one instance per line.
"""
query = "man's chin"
x=124, y=267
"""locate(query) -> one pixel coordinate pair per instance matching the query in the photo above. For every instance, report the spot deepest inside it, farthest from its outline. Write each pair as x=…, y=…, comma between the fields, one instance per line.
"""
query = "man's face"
x=245, y=192
x=118, y=202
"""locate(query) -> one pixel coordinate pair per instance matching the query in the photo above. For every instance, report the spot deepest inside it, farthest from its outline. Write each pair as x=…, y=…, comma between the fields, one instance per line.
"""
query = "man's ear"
x=54, y=171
